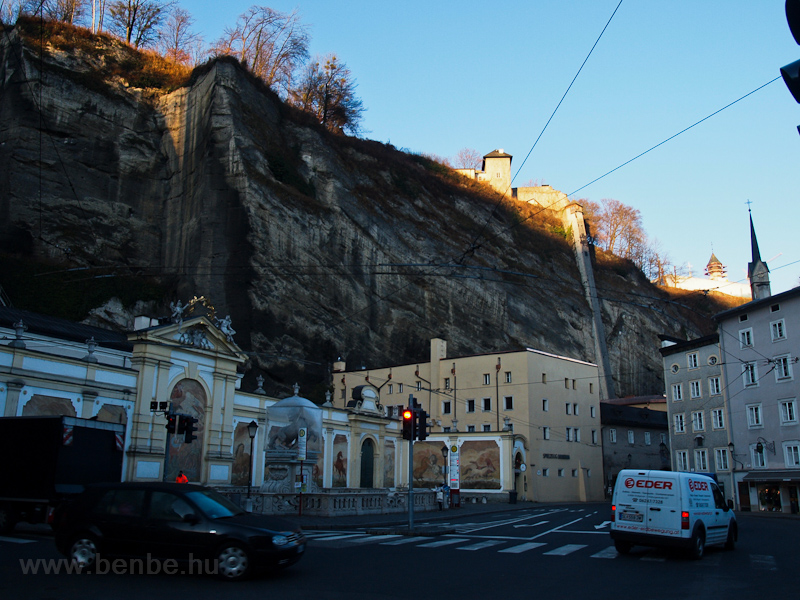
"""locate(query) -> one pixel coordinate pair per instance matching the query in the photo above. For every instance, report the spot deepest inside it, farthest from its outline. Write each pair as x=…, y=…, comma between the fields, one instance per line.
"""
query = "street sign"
x=455, y=470
x=302, y=443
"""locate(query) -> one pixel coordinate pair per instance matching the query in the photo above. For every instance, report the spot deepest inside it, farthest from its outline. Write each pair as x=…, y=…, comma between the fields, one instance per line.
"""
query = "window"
x=591, y=388
x=487, y=378
x=792, y=452
x=391, y=388
x=399, y=388
x=577, y=434
x=419, y=386
x=679, y=423
x=447, y=383
x=717, y=419
x=445, y=430
x=754, y=416
x=630, y=437
x=545, y=472
x=682, y=459
x=545, y=433
x=487, y=427
x=544, y=378
x=165, y=506
x=749, y=374
x=574, y=472
x=712, y=360
x=646, y=438
x=783, y=368
x=471, y=405
x=545, y=405
x=778, y=330
x=574, y=385
x=509, y=400
x=662, y=438
x=698, y=421
x=745, y=338
x=714, y=387
x=575, y=409
x=788, y=412
x=742, y=318
x=701, y=460
x=470, y=428
x=121, y=502
x=487, y=404
x=508, y=376
x=594, y=436
x=721, y=456
x=691, y=360
x=445, y=408
x=677, y=392
x=568, y=406
x=561, y=472
x=694, y=389
x=775, y=308
x=759, y=458
x=612, y=436
x=344, y=394
x=566, y=383
x=592, y=411
x=569, y=434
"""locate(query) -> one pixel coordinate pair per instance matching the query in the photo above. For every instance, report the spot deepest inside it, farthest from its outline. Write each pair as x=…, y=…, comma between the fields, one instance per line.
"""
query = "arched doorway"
x=367, y=464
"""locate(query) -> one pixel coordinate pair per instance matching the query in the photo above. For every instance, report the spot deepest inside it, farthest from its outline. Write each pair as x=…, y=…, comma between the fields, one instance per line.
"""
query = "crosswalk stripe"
x=446, y=542
x=763, y=561
x=340, y=537
x=564, y=550
x=377, y=538
x=609, y=552
x=522, y=547
x=481, y=545
x=405, y=540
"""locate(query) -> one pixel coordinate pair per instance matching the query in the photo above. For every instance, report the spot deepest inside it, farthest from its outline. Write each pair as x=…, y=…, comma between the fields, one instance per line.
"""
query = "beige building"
x=525, y=421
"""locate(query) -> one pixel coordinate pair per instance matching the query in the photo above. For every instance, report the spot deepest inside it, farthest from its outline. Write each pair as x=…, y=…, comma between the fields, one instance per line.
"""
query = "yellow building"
x=526, y=421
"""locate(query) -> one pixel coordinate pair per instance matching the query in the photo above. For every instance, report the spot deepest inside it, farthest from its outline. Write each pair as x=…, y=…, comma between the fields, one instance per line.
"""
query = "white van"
x=669, y=508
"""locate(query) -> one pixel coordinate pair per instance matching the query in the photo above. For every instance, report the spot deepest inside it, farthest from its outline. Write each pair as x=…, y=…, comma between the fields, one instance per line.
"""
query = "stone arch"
x=188, y=397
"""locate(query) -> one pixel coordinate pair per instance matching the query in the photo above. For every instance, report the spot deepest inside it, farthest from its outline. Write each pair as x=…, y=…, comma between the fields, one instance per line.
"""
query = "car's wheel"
x=7, y=520
x=733, y=535
x=233, y=562
x=622, y=547
x=698, y=544
x=83, y=551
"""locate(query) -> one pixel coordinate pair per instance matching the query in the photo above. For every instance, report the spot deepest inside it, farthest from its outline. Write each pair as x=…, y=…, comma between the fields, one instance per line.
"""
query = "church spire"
x=757, y=270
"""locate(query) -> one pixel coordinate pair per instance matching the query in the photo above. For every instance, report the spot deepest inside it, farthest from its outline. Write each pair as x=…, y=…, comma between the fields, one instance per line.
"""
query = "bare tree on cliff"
x=177, y=41
x=272, y=44
x=10, y=10
x=468, y=158
x=327, y=91
x=66, y=11
x=137, y=21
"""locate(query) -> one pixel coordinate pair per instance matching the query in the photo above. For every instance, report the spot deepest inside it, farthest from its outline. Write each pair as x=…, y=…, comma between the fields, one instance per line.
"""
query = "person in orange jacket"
x=182, y=478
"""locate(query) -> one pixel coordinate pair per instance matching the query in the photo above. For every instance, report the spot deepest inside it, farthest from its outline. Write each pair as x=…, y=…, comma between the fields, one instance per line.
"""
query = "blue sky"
x=436, y=77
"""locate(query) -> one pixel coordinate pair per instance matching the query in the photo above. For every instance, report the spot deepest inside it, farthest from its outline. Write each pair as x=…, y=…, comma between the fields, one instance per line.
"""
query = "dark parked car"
x=185, y=524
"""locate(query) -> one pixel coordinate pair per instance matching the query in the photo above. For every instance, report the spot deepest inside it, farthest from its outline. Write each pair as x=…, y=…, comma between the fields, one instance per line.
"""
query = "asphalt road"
x=545, y=552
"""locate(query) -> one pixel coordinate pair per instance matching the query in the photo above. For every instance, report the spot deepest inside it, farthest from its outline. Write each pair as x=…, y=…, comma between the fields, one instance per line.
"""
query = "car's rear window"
x=124, y=503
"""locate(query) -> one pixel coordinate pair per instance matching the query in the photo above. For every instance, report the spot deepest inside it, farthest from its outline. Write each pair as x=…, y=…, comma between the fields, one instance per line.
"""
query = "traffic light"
x=191, y=427
x=422, y=425
x=408, y=424
x=181, y=425
x=172, y=422
x=791, y=72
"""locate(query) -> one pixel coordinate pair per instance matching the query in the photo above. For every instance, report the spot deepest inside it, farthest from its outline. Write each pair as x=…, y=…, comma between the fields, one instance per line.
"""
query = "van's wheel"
x=7, y=520
x=233, y=562
x=733, y=535
x=83, y=551
x=623, y=547
x=698, y=544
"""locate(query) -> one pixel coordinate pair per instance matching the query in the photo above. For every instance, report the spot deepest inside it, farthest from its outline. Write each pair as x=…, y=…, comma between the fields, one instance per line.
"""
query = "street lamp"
x=251, y=431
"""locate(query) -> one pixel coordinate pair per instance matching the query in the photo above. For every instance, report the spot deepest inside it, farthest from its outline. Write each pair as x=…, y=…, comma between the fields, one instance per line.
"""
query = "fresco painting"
x=112, y=413
x=188, y=398
x=241, y=454
x=480, y=465
x=41, y=406
x=428, y=462
x=318, y=470
x=339, y=461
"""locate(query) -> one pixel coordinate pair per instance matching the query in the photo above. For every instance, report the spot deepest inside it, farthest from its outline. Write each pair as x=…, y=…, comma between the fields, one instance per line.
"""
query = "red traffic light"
x=407, y=414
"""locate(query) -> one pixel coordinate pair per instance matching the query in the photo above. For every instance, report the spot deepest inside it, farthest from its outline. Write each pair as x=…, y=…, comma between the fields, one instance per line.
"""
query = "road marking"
x=564, y=550
x=555, y=529
x=376, y=538
x=443, y=543
x=340, y=537
x=603, y=524
x=522, y=547
x=16, y=540
x=481, y=545
x=511, y=521
x=405, y=540
x=763, y=561
x=609, y=552
x=532, y=524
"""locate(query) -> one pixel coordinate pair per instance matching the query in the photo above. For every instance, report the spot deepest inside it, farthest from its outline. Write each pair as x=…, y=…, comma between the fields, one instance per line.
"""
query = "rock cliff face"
x=318, y=246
